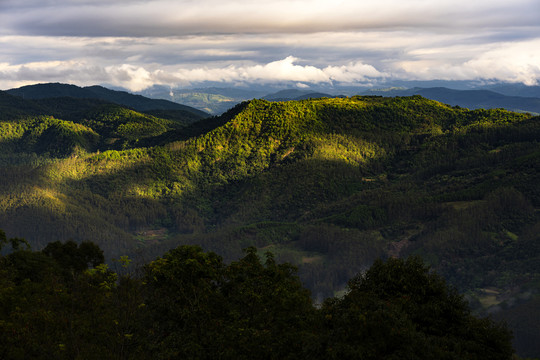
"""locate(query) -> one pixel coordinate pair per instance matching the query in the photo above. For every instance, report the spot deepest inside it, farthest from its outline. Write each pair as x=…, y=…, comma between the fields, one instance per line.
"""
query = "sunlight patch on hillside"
x=343, y=148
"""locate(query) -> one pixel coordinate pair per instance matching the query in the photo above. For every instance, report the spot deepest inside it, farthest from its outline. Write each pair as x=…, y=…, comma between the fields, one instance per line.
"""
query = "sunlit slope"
x=291, y=161
x=330, y=184
x=40, y=154
x=359, y=164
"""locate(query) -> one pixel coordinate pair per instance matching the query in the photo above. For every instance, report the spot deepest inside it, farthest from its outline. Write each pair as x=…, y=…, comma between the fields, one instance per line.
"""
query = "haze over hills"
x=214, y=100
x=473, y=99
x=514, y=89
x=514, y=97
x=328, y=184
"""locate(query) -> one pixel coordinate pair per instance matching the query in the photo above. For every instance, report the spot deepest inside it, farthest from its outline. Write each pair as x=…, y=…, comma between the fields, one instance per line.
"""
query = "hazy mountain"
x=514, y=89
x=136, y=102
x=313, y=95
x=295, y=94
x=217, y=100
x=287, y=94
x=472, y=99
x=213, y=100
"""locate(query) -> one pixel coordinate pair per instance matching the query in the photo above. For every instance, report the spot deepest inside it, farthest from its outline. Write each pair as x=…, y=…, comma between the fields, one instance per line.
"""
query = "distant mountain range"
x=295, y=94
x=514, y=89
x=214, y=100
x=472, y=99
x=515, y=97
x=136, y=102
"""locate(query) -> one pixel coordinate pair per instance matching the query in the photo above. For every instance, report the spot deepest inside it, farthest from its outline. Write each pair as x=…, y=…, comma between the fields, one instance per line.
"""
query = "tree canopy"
x=189, y=304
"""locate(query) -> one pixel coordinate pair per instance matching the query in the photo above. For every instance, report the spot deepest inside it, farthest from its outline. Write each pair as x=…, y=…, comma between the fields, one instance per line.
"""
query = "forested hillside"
x=327, y=184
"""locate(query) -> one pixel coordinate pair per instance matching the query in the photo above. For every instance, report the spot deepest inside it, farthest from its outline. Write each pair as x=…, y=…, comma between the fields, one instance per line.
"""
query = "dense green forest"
x=64, y=303
x=329, y=185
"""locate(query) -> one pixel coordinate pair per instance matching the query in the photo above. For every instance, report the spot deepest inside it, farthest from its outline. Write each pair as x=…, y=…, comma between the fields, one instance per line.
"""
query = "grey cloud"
x=137, y=43
x=170, y=18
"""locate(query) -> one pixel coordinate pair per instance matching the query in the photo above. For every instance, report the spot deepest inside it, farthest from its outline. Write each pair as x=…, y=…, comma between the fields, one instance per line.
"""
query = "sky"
x=135, y=44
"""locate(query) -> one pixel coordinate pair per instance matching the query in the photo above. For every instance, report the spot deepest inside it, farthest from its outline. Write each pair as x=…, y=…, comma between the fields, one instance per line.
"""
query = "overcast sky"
x=138, y=43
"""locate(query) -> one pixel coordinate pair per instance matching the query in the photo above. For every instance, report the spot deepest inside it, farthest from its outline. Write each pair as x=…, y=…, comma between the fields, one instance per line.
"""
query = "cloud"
x=510, y=61
x=284, y=70
x=176, y=17
x=137, y=78
x=352, y=73
x=138, y=43
x=516, y=62
x=77, y=72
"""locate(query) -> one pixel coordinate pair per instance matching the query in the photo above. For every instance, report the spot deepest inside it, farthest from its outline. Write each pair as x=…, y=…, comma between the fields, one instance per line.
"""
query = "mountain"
x=329, y=184
x=313, y=95
x=216, y=100
x=295, y=94
x=473, y=99
x=213, y=100
x=514, y=89
x=136, y=102
x=473, y=95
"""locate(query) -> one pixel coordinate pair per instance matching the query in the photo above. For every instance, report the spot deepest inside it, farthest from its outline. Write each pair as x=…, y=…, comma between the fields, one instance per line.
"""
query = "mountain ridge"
x=137, y=102
x=514, y=97
x=473, y=99
x=328, y=184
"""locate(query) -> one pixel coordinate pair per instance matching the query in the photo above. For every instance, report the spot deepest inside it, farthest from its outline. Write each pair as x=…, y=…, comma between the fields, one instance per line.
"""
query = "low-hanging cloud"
x=137, y=78
x=508, y=61
x=504, y=63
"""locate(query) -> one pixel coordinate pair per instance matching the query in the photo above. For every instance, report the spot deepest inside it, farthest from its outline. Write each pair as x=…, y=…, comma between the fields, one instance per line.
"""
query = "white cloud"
x=516, y=62
x=284, y=70
x=353, y=72
x=512, y=62
x=72, y=71
x=130, y=77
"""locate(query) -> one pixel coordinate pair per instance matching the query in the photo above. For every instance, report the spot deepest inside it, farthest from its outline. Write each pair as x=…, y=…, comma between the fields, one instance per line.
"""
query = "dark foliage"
x=189, y=304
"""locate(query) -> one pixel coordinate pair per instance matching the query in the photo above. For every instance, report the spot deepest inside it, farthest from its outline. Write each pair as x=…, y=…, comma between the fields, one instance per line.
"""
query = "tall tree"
x=400, y=309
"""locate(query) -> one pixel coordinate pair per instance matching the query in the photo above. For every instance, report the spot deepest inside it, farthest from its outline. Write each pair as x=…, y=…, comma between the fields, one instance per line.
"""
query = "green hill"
x=328, y=184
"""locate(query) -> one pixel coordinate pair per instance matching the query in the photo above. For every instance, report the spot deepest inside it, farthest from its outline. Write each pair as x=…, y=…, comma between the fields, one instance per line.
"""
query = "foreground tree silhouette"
x=399, y=309
x=190, y=305
x=199, y=308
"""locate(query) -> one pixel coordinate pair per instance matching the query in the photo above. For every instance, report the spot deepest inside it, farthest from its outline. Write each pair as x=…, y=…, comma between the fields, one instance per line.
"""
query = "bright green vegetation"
x=329, y=184
x=64, y=303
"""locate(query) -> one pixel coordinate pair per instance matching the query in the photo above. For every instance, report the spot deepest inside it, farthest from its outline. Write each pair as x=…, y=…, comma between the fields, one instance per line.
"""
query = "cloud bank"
x=136, y=44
